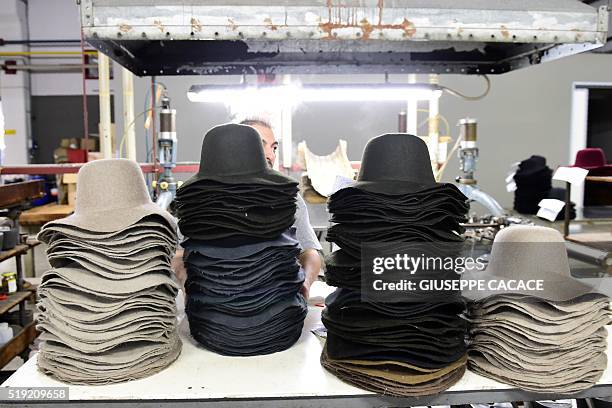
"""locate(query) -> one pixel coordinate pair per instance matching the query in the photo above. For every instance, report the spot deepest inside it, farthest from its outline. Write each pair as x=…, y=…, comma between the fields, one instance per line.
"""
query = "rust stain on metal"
x=341, y=16
x=195, y=24
x=232, y=24
x=367, y=28
x=408, y=27
x=160, y=26
x=504, y=31
x=270, y=25
x=124, y=28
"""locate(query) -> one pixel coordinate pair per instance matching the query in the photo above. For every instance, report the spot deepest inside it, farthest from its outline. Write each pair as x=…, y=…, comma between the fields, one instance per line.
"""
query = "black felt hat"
x=233, y=154
x=395, y=164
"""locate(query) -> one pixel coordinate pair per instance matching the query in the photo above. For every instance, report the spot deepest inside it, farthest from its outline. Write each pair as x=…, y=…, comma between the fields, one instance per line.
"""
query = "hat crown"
x=396, y=157
x=590, y=157
x=528, y=252
x=232, y=149
x=109, y=184
x=533, y=163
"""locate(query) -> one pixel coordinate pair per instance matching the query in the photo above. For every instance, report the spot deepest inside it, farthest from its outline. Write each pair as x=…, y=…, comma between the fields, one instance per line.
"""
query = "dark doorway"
x=58, y=117
x=599, y=129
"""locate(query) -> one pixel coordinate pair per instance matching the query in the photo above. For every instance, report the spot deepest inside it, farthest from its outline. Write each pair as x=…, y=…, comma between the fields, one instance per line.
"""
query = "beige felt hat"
x=524, y=253
x=111, y=195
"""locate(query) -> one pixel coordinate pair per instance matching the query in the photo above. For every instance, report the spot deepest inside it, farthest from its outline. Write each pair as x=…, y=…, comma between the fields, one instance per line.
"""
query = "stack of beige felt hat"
x=107, y=309
x=551, y=340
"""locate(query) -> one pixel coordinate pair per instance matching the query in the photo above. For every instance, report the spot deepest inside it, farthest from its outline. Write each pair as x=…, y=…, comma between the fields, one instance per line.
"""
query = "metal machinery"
x=167, y=154
x=468, y=155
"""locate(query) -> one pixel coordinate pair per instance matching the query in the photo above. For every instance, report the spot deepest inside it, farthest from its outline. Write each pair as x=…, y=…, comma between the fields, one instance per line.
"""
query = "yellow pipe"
x=27, y=53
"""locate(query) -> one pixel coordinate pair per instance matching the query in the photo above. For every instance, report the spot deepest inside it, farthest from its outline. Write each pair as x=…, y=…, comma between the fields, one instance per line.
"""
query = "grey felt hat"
x=523, y=253
x=233, y=154
x=395, y=164
x=111, y=195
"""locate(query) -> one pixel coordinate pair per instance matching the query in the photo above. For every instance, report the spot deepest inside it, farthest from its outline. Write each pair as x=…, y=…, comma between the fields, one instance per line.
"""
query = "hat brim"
x=556, y=287
x=393, y=187
x=113, y=220
x=269, y=177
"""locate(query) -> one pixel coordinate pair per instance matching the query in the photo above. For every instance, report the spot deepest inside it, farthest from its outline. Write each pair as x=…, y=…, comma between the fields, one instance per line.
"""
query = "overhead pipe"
x=286, y=113
x=46, y=67
x=411, y=110
x=54, y=53
x=127, y=79
x=434, y=126
x=29, y=42
x=106, y=144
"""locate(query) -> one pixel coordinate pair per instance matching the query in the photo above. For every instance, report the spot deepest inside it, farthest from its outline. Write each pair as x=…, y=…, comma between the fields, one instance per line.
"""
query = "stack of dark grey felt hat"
x=107, y=308
x=548, y=339
x=243, y=278
x=406, y=346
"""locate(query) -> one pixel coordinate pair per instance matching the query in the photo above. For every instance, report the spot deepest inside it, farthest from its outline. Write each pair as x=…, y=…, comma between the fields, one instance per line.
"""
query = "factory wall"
x=14, y=89
x=527, y=112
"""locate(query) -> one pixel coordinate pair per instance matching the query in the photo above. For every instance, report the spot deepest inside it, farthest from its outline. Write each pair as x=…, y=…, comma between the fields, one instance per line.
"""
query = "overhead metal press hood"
x=184, y=37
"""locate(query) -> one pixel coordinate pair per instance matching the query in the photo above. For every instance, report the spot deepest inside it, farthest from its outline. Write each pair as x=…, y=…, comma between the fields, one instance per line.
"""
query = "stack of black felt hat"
x=243, y=279
x=235, y=198
x=559, y=194
x=533, y=180
x=410, y=345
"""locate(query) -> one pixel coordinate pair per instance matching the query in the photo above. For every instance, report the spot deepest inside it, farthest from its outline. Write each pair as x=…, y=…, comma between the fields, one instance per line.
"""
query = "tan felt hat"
x=111, y=195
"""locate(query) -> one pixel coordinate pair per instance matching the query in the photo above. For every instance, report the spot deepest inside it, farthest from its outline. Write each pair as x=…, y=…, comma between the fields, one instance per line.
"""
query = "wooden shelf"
x=13, y=300
x=17, y=193
x=602, y=179
x=18, y=344
x=18, y=250
x=45, y=213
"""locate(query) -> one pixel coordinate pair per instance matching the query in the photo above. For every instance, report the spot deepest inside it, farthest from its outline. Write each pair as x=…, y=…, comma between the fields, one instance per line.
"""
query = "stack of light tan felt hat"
x=321, y=171
x=107, y=309
x=550, y=339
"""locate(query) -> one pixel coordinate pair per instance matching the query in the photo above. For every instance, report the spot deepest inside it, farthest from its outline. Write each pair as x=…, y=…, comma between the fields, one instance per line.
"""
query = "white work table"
x=290, y=378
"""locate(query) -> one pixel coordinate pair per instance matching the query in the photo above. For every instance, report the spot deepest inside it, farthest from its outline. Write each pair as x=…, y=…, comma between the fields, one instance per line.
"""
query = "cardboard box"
x=60, y=155
x=69, y=178
x=72, y=143
x=71, y=194
x=93, y=144
x=69, y=182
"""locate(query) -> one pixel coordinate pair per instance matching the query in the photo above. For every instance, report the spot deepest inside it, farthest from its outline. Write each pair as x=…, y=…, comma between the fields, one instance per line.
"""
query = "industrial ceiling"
x=186, y=37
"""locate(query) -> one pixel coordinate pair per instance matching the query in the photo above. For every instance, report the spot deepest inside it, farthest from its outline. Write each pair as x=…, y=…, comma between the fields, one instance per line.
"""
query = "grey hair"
x=256, y=122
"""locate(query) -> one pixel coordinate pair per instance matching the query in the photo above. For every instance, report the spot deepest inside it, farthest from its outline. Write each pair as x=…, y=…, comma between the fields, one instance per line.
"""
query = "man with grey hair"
x=310, y=245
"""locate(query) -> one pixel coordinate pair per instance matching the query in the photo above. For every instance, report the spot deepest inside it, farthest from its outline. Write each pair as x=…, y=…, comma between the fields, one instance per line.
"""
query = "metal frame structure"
x=183, y=37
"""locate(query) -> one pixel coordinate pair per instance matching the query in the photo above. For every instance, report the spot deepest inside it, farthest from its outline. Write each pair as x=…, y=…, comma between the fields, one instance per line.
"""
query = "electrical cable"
x=468, y=97
x=446, y=125
x=125, y=130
